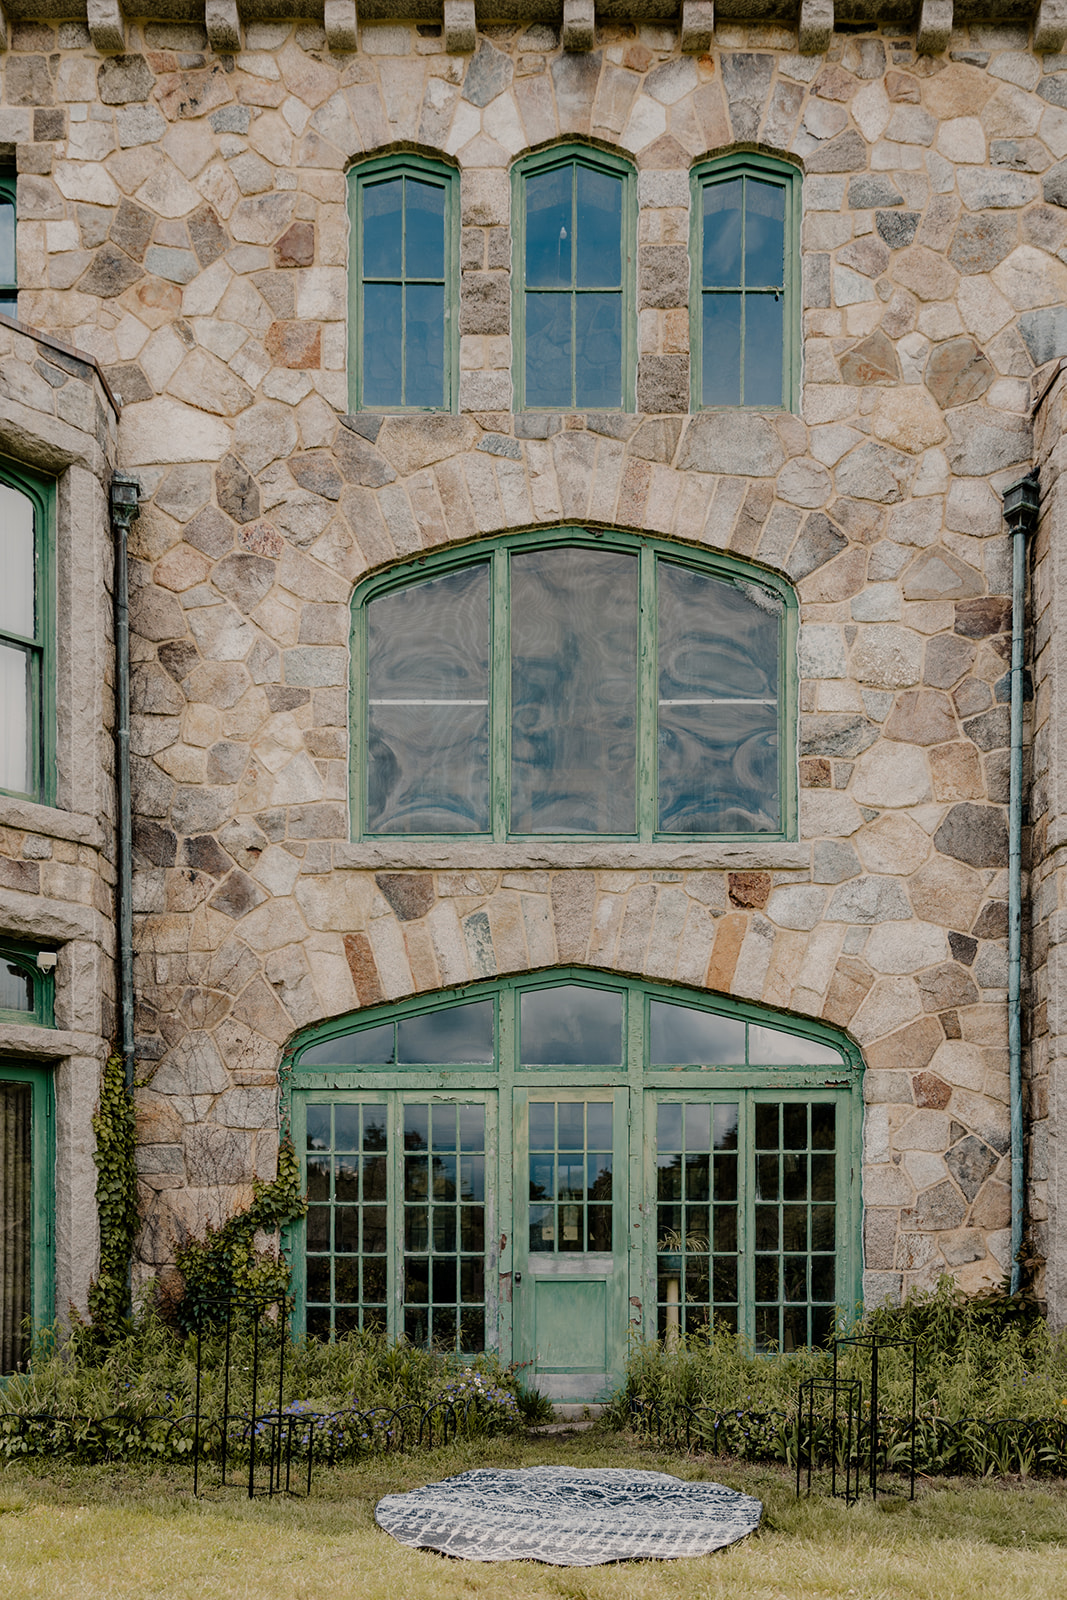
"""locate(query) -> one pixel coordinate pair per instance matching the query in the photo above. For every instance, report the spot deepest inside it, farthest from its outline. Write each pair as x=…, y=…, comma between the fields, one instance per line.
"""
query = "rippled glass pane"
x=718, y=714
x=549, y=227
x=770, y=1047
x=459, y=1034
x=682, y=1036
x=7, y=242
x=383, y=228
x=599, y=223
x=763, y=350
x=424, y=229
x=598, y=350
x=383, y=344
x=764, y=234
x=16, y=988
x=723, y=204
x=428, y=713
x=574, y=691
x=721, y=350
x=16, y=562
x=548, y=350
x=424, y=348
x=571, y=1026
x=15, y=755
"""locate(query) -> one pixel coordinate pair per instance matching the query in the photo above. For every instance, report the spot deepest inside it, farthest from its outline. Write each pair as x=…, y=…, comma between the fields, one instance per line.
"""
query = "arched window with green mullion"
x=574, y=682
x=403, y=341
x=8, y=271
x=574, y=223
x=745, y=302
x=27, y=716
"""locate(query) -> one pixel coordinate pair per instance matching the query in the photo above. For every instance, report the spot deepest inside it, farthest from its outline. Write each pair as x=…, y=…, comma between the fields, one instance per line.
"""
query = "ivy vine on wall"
x=116, y=1197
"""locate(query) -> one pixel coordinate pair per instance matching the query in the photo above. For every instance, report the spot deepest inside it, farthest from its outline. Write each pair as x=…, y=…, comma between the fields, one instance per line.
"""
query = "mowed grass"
x=119, y=1531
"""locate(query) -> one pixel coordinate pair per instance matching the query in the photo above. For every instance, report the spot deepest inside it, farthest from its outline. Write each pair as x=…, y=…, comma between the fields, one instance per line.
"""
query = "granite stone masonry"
x=182, y=221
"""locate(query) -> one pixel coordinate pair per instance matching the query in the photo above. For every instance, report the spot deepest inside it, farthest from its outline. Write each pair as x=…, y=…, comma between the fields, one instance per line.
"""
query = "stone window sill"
x=30, y=817
x=472, y=855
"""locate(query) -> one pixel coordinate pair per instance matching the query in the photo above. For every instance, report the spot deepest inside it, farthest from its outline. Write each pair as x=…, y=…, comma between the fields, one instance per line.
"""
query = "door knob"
x=518, y=1277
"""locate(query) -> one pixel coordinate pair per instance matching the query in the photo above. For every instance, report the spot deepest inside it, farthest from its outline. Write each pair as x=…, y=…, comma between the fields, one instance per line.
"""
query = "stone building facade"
x=183, y=224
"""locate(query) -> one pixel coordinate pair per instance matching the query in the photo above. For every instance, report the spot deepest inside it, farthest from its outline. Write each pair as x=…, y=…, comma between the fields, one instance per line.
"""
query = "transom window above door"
x=574, y=294
x=575, y=684
x=403, y=333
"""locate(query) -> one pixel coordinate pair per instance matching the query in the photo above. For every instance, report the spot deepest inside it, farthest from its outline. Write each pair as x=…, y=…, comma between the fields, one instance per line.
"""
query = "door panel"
x=570, y=1283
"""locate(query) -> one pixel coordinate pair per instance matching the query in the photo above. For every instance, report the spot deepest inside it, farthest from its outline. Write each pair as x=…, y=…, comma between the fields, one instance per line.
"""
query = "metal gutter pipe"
x=1021, y=503
x=123, y=500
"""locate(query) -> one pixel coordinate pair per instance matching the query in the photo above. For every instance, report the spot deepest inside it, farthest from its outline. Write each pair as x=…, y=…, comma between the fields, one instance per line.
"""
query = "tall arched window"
x=8, y=274
x=27, y=720
x=579, y=682
x=404, y=213
x=545, y=1165
x=745, y=299
x=574, y=296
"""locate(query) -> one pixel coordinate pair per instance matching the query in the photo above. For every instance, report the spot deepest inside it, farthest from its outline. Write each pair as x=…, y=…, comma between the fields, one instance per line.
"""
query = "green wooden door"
x=570, y=1273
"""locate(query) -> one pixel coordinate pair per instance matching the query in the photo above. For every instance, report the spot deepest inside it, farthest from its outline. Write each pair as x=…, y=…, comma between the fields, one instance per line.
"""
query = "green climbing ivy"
x=116, y=1198
x=226, y=1260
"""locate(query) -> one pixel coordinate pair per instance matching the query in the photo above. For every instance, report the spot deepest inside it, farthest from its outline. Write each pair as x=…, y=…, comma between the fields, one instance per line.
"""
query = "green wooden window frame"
x=504, y=1081
x=23, y=957
x=766, y=169
x=42, y=1199
x=575, y=155
x=9, y=281
x=40, y=646
x=447, y=178
x=650, y=551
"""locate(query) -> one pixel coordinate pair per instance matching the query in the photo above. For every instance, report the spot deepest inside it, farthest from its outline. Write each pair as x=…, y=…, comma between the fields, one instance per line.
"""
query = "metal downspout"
x=123, y=501
x=1021, y=502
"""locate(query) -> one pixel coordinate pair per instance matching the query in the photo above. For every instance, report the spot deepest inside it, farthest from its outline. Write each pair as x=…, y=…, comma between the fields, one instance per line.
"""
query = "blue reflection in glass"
x=723, y=215
x=571, y=1025
x=598, y=350
x=763, y=350
x=549, y=349
x=424, y=229
x=764, y=234
x=383, y=344
x=721, y=350
x=424, y=350
x=383, y=228
x=599, y=228
x=549, y=228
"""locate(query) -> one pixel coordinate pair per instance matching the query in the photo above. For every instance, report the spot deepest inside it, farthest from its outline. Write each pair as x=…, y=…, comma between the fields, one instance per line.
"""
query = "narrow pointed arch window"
x=576, y=683
x=745, y=301
x=404, y=215
x=27, y=721
x=574, y=293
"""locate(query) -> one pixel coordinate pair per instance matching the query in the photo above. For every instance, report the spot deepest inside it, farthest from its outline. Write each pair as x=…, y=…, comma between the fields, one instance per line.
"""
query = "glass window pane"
x=716, y=640
x=574, y=691
x=459, y=1034
x=16, y=1212
x=763, y=350
x=428, y=734
x=669, y=1125
x=718, y=768
x=424, y=350
x=722, y=234
x=16, y=987
x=424, y=229
x=599, y=226
x=9, y=305
x=383, y=228
x=721, y=350
x=7, y=242
x=682, y=1036
x=16, y=562
x=571, y=1026
x=764, y=234
x=383, y=305
x=548, y=350
x=598, y=350
x=15, y=755
x=549, y=227
x=771, y=1047
x=370, y=1047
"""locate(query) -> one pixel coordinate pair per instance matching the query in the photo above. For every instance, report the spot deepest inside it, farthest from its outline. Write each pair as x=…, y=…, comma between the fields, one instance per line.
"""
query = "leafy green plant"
x=116, y=1198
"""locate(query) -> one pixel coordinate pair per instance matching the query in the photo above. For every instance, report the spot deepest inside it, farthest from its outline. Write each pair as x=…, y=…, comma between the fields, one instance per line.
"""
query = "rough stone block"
x=698, y=26
x=579, y=25
x=461, y=31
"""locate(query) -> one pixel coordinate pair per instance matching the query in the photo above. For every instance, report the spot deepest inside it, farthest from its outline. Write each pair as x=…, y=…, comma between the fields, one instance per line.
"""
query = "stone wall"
x=184, y=221
x=57, y=863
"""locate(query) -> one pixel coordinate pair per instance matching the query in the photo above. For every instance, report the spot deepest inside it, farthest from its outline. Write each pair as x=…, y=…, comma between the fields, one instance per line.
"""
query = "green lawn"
x=120, y=1531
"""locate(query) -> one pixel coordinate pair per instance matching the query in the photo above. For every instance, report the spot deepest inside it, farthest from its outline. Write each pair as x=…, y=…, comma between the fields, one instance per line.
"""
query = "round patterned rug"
x=567, y=1517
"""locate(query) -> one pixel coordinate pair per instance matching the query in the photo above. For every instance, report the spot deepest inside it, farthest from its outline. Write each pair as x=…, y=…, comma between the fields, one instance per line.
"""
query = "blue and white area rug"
x=567, y=1517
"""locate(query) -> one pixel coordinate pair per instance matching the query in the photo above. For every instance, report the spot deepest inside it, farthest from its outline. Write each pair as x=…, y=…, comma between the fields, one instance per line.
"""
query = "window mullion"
x=647, y=818
x=500, y=695
x=395, y=1218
